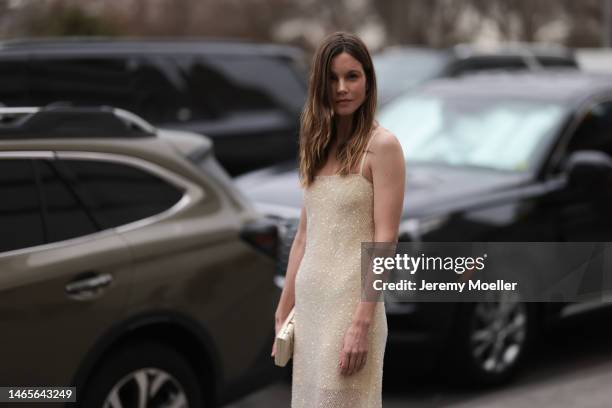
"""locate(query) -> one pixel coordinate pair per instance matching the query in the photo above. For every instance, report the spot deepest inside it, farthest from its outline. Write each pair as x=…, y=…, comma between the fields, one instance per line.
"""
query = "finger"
x=362, y=361
x=342, y=362
x=346, y=363
x=273, y=349
x=351, y=363
x=357, y=363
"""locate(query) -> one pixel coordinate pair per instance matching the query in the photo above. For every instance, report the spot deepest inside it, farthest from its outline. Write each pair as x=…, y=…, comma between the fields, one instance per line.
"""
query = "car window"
x=168, y=89
x=117, y=193
x=12, y=83
x=595, y=130
x=276, y=78
x=234, y=84
x=485, y=63
x=20, y=215
x=64, y=216
x=141, y=85
x=81, y=81
x=159, y=91
x=557, y=62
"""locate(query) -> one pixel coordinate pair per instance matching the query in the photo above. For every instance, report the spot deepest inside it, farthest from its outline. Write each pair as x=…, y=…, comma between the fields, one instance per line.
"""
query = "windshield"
x=397, y=72
x=468, y=130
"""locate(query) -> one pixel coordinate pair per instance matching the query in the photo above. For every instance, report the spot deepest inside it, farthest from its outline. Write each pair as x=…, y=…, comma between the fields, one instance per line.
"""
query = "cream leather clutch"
x=284, y=341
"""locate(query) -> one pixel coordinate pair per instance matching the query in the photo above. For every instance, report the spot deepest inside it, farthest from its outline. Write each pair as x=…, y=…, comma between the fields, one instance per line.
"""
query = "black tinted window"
x=65, y=217
x=479, y=64
x=557, y=62
x=166, y=89
x=82, y=81
x=20, y=216
x=247, y=83
x=13, y=87
x=227, y=85
x=144, y=86
x=119, y=194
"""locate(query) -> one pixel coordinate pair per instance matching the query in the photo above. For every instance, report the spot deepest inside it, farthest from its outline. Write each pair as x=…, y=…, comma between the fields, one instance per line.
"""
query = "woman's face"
x=348, y=84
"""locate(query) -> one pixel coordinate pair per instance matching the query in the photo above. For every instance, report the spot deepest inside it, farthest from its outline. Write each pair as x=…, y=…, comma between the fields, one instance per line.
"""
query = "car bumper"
x=418, y=333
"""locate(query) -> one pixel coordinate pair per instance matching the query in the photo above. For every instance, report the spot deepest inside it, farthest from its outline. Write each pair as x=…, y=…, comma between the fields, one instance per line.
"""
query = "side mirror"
x=589, y=170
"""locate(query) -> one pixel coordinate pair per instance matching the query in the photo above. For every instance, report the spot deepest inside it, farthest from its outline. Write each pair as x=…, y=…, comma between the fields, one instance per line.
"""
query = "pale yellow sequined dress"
x=339, y=213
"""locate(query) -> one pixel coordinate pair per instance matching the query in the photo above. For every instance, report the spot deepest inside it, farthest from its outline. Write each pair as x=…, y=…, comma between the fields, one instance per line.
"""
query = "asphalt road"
x=571, y=367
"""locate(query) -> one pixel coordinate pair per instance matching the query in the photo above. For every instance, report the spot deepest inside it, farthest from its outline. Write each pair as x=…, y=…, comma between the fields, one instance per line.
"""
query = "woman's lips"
x=343, y=101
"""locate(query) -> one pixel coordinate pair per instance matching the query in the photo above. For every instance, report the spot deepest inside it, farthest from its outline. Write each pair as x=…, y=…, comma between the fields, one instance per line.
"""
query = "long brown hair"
x=317, y=123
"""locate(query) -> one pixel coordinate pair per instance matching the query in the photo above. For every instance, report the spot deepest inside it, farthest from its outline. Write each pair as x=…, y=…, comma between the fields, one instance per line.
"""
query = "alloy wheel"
x=147, y=388
x=498, y=333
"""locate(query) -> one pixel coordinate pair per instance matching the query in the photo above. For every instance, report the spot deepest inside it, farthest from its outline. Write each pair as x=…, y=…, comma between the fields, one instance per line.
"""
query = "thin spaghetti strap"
x=365, y=152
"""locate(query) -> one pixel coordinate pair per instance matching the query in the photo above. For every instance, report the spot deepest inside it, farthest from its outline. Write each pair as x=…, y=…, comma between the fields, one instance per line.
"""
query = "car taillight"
x=262, y=235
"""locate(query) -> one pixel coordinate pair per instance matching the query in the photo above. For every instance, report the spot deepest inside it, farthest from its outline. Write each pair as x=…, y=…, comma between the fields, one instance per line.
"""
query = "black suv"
x=506, y=157
x=246, y=97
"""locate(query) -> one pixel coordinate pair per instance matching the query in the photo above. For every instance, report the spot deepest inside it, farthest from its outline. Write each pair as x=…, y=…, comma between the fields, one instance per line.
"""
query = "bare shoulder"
x=385, y=142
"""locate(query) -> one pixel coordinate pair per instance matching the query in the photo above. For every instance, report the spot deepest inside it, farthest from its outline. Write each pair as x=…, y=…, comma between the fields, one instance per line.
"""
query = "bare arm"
x=287, y=299
x=388, y=175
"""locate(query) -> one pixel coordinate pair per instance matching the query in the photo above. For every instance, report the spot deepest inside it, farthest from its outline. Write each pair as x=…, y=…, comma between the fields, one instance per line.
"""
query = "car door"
x=63, y=282
x=584, y=214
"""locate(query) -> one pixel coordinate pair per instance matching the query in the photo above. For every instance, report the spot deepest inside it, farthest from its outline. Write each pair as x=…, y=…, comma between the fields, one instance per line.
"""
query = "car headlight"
x=412, y=229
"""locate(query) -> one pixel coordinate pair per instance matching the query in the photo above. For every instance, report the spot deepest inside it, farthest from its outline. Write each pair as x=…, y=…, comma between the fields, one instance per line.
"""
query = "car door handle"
x=88, y=285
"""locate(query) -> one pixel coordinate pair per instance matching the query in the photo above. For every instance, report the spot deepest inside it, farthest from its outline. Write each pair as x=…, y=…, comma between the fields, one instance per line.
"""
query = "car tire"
x=152, y=371
x=489, y=342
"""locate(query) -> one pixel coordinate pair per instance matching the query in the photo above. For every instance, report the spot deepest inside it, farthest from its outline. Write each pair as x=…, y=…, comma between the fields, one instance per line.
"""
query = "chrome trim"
x=586, y=306
x=58, y=244
x=23, y=109
x=92, y=283
x=88, y=288
x=27, y=154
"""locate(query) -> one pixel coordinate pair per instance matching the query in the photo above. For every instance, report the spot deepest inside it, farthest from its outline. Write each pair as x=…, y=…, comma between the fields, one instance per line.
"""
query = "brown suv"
x=130, y=267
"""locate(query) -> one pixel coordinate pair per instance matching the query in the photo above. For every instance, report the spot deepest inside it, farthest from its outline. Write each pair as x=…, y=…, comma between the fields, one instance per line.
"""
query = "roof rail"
x=72, y=122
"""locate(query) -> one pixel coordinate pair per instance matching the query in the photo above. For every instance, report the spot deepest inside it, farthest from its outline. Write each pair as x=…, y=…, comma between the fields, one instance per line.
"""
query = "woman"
x=352, y=172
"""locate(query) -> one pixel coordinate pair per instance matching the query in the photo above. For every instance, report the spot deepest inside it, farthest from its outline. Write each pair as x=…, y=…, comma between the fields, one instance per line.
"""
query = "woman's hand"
x=355, y=349
x=279, y=319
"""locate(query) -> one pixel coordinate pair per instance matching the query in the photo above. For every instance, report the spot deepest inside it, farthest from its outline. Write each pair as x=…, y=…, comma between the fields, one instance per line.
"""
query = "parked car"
x=400, y=68
x=247, y=97
x=507, y=157
x=131, y=266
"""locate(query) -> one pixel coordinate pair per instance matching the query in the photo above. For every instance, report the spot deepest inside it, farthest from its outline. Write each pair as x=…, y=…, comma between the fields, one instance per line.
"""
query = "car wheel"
x=490, y=340
x=143, y=375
